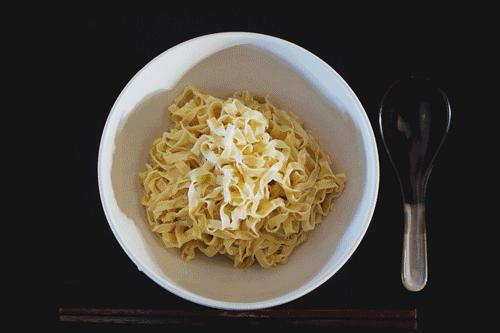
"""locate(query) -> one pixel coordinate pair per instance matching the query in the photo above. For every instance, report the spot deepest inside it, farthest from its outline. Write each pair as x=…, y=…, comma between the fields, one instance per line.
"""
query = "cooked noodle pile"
x=238, y=177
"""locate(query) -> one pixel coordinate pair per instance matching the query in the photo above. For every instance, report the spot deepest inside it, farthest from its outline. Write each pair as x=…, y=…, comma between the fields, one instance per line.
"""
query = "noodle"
x=238, y=177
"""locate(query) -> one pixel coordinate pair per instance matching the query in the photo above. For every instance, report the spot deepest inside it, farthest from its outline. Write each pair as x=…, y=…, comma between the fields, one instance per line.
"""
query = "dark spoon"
x=414, y=120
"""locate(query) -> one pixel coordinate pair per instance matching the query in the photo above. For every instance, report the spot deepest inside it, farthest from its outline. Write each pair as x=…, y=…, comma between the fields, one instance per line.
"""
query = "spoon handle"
x=414, y=265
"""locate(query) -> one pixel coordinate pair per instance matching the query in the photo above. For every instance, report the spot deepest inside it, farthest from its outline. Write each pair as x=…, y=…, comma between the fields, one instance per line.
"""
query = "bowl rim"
x=291, y=295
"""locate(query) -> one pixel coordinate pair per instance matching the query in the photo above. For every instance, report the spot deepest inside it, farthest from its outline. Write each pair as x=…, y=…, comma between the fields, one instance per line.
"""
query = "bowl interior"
x=296, y=81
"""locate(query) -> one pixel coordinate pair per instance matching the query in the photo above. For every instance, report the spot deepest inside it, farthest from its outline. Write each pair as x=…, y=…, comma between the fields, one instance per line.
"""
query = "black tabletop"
x=106, y=53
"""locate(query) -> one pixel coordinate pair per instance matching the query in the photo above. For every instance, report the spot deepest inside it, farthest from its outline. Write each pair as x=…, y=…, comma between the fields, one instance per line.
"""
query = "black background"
x=102, y=53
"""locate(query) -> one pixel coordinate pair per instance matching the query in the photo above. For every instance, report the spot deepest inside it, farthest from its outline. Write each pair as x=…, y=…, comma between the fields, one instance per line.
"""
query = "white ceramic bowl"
x=220, y=64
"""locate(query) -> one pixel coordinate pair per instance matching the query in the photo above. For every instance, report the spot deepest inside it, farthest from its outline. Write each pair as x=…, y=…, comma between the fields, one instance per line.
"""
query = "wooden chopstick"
x=398, y=319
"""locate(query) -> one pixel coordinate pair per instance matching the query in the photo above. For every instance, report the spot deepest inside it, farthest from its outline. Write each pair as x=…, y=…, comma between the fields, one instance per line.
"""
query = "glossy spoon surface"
x=414, y=121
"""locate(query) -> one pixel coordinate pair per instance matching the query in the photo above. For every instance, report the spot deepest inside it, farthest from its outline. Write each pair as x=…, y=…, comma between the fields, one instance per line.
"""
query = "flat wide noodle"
x=238, y=177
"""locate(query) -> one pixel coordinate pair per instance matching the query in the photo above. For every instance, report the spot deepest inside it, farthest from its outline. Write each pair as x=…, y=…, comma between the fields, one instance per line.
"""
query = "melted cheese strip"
x=238, y=177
